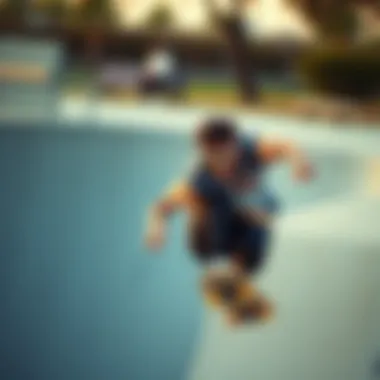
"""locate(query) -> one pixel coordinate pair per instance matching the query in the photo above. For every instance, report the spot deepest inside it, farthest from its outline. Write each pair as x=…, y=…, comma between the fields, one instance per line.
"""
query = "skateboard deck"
x=252, y=309
x=237, y=298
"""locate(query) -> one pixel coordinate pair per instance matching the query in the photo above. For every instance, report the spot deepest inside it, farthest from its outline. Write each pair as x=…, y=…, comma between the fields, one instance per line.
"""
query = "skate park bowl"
x=82, y=299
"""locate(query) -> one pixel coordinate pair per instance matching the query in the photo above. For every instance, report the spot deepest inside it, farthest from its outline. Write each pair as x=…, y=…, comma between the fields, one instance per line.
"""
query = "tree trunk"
x=93, y=58
x=233, y=31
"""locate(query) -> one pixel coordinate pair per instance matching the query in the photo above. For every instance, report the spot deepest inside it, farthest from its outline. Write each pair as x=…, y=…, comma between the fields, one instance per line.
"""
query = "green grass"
x=197, y=86
x=80, y=79
x=222, y=94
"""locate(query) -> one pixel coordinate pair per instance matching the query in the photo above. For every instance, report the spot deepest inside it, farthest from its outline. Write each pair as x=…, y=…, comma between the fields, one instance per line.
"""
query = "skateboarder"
x=230, y=211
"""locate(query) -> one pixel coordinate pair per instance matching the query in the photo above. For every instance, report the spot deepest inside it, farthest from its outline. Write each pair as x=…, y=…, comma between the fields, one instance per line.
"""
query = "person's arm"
x=271, y=151
x=179, y=197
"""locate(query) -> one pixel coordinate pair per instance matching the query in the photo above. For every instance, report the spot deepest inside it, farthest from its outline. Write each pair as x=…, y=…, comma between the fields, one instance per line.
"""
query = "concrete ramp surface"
x=324, y=279
x=81, y=299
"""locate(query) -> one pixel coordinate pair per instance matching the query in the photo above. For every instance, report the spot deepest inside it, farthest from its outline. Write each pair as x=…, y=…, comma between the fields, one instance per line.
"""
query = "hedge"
x=352, y=73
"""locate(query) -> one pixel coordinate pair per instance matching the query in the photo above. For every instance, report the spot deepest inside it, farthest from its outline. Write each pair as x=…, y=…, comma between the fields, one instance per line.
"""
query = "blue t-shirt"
x=230, y=197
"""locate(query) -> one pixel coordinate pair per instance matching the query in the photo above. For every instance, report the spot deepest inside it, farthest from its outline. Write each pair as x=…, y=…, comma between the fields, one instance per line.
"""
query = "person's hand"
x=303, y=172
x=155, y=237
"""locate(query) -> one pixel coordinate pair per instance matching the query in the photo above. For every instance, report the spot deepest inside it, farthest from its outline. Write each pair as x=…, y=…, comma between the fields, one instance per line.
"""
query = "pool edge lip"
x=161, y=118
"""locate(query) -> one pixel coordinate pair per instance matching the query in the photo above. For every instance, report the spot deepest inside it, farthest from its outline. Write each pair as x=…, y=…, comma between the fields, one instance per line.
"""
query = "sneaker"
x=221, y=289
x=250, y=311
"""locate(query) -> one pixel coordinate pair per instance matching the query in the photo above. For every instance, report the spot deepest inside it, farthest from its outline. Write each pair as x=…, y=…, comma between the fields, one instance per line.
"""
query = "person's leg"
x=252, y=251
x=209, y=238
x=247, y=261
x=245, y=248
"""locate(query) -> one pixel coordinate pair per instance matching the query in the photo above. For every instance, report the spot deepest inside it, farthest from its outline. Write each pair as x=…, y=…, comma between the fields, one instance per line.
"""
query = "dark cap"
x=216, y=131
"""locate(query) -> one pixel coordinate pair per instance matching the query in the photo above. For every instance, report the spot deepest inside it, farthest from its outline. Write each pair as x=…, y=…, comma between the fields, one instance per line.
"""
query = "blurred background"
x=93, y=94
x=289, y=56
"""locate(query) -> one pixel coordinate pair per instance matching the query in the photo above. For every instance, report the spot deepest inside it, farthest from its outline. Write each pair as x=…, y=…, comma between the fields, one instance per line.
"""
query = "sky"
x=266, y=18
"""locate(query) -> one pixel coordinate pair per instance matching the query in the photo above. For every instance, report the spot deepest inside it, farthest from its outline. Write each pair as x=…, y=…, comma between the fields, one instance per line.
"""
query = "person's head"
x=217, y=140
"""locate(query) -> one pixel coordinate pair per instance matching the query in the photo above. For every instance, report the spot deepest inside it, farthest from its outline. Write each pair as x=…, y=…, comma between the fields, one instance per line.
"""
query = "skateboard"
x=237, y=298
x=252, y=309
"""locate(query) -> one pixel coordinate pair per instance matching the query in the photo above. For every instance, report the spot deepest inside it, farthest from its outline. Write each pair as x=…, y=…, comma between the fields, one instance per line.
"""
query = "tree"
x=334, y=19
x=160, y=17
x=231, y=26
x=12, y=11
x=93, y=18
x=98, y=14
x=22, y=12
x=52, y=11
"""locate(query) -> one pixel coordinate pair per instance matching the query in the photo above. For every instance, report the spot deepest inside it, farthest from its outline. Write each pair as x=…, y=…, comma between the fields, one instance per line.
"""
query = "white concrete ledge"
x=166, y=118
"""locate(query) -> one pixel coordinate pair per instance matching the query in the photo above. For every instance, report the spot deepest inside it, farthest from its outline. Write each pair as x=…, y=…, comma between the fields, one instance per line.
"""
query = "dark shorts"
x=232, y=238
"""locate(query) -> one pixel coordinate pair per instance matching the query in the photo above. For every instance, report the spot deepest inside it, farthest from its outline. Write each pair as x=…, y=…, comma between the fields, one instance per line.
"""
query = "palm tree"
x=230, y=24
